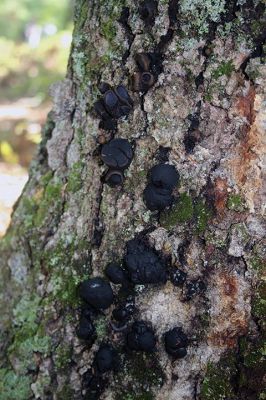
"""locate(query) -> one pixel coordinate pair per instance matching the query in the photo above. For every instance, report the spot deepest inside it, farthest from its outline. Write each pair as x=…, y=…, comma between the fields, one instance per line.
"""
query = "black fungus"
x=111, y=103
x=117, y=153
x=147, y=80
x=121, y=314
x=86, y=329
x=93, y=385
x=105, y=358
x=109, y=124
x=157, y=198
x=123, y=96
x=177, y=277
x=143, y=61
x=158, y=193
x=103, y=87
x=114, y=104
x=141, y=337
x=115, y=273
x=164, y=176
x=176, y=342
x=101, y=110
x=143, y=81
x=114, y=177
x=143, y=264
x=193, y=288
x=97, y=292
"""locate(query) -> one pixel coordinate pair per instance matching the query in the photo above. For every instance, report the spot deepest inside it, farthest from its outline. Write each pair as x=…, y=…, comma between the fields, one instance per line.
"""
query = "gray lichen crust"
x=208, y=108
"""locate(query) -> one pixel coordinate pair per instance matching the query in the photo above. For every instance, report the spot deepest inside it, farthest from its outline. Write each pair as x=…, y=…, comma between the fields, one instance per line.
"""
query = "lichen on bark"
x=207, y=110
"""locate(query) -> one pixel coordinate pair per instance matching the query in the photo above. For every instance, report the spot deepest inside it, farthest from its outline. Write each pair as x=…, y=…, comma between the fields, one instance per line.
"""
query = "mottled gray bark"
x=208, y=109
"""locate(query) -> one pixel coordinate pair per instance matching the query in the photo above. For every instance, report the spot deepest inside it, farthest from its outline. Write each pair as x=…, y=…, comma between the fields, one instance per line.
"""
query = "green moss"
x=74, y=178
x=50, y=203
x=66, y=393
x=235, y=203
x=225, y=69
x=14, y=387
x=202, y=215
x=141, y=374
x=133, y=396
x=62, y=356
x=259, y=301
x=182, y=211
x=217, y=382
x=108, y=30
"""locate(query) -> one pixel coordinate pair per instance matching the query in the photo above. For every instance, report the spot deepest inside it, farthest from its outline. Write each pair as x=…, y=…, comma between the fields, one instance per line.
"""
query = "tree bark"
x=206, y=115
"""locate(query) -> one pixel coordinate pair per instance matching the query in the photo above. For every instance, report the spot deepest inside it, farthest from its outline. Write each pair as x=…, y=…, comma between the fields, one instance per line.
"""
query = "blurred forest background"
x=35, y=38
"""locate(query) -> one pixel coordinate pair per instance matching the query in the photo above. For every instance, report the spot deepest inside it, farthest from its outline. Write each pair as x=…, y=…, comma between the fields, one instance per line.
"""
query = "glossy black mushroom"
x=143, y=264
x=111, y=103
x=158, y=193
x=85, y=330
x=114, y=177
x=157, y=198
x=105, y=358
x=117, y=153
x=115, y=273
x=123, y=95
x=177, y=277
x=164, y=176
x=176, y=342
x=141, y=337
x=97, y=292
x=194, y=288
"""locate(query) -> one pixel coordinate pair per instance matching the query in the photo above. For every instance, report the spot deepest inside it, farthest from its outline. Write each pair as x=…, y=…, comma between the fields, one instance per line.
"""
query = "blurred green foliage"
x=27, y=69
x=16, y=14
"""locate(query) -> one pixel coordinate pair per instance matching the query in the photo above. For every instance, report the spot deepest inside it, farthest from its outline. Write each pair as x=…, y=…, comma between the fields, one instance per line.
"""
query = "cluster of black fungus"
x=176, y=342
x=149, y=65
x=162, y=180
x=141, y=337
x=143, y=264
x=117, y=155
x=193, y=288
x=114, y=104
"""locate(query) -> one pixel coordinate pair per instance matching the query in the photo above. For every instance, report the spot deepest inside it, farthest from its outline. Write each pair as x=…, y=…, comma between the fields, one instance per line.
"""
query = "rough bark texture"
x=68, y=225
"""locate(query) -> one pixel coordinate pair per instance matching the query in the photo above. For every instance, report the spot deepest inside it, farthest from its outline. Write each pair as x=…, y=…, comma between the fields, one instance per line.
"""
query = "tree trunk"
x=205, y=115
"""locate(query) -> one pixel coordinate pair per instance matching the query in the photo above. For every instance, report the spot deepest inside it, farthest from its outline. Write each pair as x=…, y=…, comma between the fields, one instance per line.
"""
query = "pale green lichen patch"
x=101, y=327
x=200, y=13
x=182, y=211
x=13, y=386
